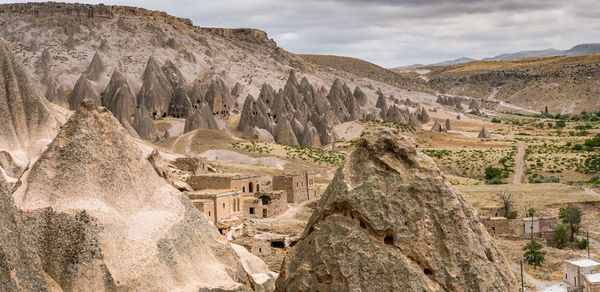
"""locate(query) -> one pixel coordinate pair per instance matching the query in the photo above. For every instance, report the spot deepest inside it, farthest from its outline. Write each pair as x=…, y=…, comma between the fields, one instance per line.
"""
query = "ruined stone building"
x=538, y=225
x=299, y=186
x=264, y=204
x=496, y=225
x=243, y=183
x=223, y=207
x=194, y=165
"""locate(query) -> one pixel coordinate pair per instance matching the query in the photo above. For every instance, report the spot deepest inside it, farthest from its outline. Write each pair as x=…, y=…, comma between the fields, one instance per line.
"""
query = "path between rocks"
x=519, y=163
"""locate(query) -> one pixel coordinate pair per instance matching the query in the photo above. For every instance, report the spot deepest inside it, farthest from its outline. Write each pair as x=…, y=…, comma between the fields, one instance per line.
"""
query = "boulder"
x=389, y=221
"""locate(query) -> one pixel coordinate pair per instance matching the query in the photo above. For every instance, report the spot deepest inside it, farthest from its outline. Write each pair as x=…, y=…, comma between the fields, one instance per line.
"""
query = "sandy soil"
x=519, y=163
x=348, y=131
x=238, y=158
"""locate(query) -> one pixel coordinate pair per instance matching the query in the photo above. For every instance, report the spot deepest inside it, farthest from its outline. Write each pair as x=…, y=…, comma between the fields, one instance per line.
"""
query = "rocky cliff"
x=389, y=221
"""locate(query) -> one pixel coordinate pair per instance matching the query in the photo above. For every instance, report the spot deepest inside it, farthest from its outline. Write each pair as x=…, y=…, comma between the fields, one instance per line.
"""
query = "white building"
x=575, y=271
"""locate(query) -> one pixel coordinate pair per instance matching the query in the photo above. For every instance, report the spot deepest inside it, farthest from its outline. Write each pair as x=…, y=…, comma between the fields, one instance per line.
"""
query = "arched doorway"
x=250, y=187
x=265, y=214
x=265, y=200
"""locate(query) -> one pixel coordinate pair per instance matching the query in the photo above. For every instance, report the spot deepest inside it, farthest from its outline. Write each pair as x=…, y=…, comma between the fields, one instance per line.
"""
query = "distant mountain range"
x=582, y=49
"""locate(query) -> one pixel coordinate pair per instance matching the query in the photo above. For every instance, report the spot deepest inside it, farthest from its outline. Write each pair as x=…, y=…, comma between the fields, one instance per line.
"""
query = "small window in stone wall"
x=223, y=205
x=251, y=210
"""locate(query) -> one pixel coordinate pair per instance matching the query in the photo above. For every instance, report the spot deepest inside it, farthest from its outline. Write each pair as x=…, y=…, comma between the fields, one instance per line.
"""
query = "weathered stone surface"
x=56, y=95
x=448, y=126
x=143, y=125
x=20, y=265
x=180, y=106
x=360, y=96
x=118, y=98
x=96, y=69
x=115, y=224
x=484, y=133
x=83, y=90
x=390, y=222
x=27, y=120
x=437, y=127
x=201, y=118
x=219, y=97
x=156, y=92
x=284, y=133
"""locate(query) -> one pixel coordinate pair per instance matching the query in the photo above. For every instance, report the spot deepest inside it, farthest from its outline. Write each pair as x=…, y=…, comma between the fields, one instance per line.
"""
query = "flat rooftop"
x=210, y=193
x=593, y=278
x=584, y=262
x=228, y=175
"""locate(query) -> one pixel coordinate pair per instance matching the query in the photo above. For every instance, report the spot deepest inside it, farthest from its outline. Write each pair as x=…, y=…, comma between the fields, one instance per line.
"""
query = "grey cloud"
x=393, y=33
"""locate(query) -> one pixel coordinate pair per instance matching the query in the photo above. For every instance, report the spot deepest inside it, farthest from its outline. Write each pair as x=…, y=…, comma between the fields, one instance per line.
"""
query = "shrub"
x=492, y=172
x=561, y=235
x=513, y=215
x=496, y=120
x=582, y=243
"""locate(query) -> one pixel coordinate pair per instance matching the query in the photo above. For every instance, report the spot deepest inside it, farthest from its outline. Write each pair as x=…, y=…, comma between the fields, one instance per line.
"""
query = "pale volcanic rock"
x=28, y=122
x=219, y=97
x=484, y=133
x=156, y=92
x=180, y=106
x=389, y=221
x=437, y=127
x=143, y=125
x=141, y=233
x=382, y=105
x=201, y=118
x=96, y=69
x=448, y=126
x=83, y=90
x=56, y=95
x=423, y=116
x=284, y=134
x=360, y=96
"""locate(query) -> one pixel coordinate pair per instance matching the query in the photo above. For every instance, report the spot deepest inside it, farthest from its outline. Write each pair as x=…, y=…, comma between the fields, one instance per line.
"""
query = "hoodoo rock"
x=27, y=120
x=83, y=90
x=143, y=125
x=201, y=118
x=448, y=126
x=360, y=96
x=113, y=223
x=96, y=68
x=56, y=95
x=219, y=97
x=156, y=92
x=484, y=133
x=437, y=127
x=389, y=221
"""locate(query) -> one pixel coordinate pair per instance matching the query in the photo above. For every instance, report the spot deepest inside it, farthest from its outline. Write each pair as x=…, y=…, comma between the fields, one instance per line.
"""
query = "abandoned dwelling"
x=265, y=204
x=223, y=207
x=299, y=186
x=243, y=183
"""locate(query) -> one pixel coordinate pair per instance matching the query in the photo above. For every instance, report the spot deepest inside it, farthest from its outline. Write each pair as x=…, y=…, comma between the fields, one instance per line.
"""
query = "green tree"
x=560, y=124
x=492, y=172
x=571, y=216
x=530, y=212
x=561, y=235
x=534, y=254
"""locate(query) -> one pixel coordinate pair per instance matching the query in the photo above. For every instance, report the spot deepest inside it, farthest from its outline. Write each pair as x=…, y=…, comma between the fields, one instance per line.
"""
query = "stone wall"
x=265, y=204
x=194, y=165
x=246, y=184
x=497, y=225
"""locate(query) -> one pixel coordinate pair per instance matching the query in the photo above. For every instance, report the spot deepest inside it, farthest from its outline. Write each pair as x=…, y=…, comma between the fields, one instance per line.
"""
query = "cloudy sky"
x=395, y=33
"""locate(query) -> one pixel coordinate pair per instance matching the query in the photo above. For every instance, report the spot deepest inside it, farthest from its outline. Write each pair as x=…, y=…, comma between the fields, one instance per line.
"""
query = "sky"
x=397, y=33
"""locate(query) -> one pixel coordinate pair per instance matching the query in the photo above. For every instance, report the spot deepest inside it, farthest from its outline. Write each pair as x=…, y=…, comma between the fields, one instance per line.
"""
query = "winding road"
x=519, y=163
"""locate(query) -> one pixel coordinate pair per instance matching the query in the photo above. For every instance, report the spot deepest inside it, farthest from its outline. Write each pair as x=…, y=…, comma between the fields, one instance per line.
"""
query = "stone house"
x=497, y=225
x=206, y=207
x=299, y=186
x=264, y=204
x=577, y=272
x=242, y=183
x=223, y=207
x=194, y=165
x=537, y=225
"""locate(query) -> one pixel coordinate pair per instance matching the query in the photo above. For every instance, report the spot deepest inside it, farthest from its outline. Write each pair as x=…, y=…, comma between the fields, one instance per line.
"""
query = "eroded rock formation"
x=390, y=222
x=109, y=222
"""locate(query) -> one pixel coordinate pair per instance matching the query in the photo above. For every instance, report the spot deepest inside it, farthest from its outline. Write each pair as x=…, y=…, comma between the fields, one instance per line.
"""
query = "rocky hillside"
x=564, y=84
x=389, y=214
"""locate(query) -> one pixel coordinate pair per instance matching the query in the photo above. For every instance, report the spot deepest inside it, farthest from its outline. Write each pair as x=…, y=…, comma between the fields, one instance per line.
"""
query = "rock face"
x=96, y=68
x=82, y=90
x=56, y=95
x=484, y=134
x=143, y=125
x=448, y=126
x=27, y=120
x=156, y=92
x=390, y=222
x=437, y=127
x=114, y=224
x=201, y=118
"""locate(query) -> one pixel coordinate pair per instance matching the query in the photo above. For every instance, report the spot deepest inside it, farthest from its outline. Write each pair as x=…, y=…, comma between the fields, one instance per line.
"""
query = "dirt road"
x=519, y=163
